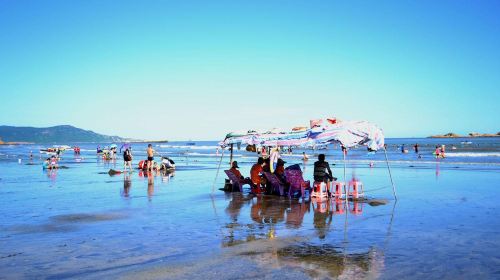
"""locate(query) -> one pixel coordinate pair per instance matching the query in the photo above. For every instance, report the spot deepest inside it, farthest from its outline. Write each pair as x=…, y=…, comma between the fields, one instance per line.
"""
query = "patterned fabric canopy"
x=347, y=133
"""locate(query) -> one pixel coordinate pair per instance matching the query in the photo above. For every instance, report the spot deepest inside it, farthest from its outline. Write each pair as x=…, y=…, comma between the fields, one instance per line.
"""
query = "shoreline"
x=16, y=143
x=464, y=136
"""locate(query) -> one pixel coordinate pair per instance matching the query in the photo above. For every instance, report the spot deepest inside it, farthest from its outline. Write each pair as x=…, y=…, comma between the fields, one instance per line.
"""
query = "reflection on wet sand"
x=295, y=213
x=268, y=211
x=151, y=184
x=127, y=184
x=326, y=261
x=258, y=240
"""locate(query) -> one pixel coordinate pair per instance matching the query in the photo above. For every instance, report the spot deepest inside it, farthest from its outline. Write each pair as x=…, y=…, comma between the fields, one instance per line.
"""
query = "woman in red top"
x=256, y=171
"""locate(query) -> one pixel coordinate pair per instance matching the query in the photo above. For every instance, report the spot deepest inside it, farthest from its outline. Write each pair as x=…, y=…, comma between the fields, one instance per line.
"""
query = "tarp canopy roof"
x=347, y=133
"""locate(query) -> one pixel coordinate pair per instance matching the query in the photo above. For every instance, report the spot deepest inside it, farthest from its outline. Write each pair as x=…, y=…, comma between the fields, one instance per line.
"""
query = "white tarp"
x=347, y=133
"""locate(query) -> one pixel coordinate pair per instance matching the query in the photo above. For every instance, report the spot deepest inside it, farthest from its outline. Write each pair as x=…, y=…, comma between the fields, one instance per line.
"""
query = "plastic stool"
x=319, y=190
x=338, y=187
x=357, y=189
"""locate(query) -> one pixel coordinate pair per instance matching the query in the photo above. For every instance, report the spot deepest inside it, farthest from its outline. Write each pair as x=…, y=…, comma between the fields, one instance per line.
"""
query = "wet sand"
x=77, y=223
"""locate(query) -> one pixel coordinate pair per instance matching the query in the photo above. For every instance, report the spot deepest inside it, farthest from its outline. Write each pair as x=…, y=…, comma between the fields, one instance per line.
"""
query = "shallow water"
x=78, y=223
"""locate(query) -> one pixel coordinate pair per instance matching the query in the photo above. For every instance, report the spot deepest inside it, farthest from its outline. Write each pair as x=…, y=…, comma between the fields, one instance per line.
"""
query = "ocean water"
x=82, y=223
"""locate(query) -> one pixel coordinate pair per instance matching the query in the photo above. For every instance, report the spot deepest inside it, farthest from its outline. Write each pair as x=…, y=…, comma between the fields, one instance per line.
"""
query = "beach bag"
x=251, y=148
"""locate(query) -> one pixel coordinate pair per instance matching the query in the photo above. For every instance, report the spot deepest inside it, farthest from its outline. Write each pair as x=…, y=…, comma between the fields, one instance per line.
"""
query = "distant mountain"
x=55, y=134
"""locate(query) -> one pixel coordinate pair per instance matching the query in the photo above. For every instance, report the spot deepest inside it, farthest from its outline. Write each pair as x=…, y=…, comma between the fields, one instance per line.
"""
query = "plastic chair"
x=294, y=177
x=277, y=186
x=236, y=182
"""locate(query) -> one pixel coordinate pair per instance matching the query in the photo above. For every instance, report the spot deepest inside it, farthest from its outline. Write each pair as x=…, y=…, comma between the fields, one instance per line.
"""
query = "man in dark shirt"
x=322, y=171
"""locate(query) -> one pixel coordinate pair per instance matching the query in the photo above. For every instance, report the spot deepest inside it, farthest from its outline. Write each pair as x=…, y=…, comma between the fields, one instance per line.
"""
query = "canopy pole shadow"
x=390, y=174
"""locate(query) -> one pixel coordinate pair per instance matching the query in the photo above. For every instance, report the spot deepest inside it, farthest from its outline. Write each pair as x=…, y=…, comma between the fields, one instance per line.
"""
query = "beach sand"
x=77, y=223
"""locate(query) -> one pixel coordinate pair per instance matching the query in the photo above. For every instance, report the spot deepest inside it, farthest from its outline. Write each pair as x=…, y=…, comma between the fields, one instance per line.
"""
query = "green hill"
x=55, y=134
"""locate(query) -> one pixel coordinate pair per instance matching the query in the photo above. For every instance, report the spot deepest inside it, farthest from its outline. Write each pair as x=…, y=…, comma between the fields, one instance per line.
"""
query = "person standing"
x=437, y=152
x=151, y=154
x=127, y=159
x=416, y=148
x=442, y=154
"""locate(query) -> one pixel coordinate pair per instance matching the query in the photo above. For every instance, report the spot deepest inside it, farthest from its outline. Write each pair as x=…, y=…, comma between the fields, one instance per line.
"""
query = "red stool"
x=338, y=187
x=357, y=189
x=319, y=190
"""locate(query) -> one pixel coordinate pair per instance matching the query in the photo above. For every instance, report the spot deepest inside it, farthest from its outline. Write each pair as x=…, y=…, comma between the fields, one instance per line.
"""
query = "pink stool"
x=357, y=189
x=338, y=187
x=319, y=190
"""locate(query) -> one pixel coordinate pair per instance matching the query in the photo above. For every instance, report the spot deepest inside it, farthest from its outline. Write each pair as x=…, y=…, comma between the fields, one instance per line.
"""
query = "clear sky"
x=197, y=69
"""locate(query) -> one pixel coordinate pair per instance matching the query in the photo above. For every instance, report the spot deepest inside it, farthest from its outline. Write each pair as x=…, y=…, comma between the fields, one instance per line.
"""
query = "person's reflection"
x=295, y=215
x=267, y=210
x=322, y=217
x=52, y=174
x=166, y=176
x=127, y=184
x=151, y=184
x=235, y=205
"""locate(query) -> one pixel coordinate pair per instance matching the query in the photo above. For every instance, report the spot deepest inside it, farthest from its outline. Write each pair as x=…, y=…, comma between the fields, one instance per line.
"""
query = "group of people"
x=440, y=151
x=51, y=162
x=258, y=182
x=149, y=164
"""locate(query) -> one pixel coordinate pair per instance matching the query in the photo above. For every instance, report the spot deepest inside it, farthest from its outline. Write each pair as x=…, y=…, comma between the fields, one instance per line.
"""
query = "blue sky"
x=198, y=69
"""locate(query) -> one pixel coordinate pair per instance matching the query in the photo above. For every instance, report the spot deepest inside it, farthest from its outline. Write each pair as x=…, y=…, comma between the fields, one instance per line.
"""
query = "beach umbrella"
x=124, y=146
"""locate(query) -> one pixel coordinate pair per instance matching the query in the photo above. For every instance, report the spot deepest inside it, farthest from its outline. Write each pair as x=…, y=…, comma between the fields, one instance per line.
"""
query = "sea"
x=424, y=218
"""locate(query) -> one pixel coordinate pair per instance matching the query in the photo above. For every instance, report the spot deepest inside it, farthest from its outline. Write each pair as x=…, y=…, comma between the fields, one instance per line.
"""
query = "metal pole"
x=390, y=174
x=345, y=179
x=217, y=174
x=231, y=156
x=344, y=151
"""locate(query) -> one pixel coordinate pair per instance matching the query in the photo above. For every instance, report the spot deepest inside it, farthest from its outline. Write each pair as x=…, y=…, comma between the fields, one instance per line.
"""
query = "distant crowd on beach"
x=439, y=152
x=149, y=164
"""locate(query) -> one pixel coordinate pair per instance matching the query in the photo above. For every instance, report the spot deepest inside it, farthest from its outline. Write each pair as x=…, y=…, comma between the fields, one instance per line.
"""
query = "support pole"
x=345, y=178
x=217, y=174
x=390, y=174
x=231, y=156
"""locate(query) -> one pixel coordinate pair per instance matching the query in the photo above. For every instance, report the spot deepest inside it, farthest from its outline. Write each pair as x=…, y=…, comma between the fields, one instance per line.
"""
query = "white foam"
x=473, y=154
x=193, y=147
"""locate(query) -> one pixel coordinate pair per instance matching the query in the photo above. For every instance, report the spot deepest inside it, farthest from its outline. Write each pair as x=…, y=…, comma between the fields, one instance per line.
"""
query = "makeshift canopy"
x=347, y=133
x=321, y=132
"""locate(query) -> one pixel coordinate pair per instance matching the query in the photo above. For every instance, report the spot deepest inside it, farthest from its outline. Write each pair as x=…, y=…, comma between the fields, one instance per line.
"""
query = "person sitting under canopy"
x=237, y=173
x=255, y=175
x=322, y=171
